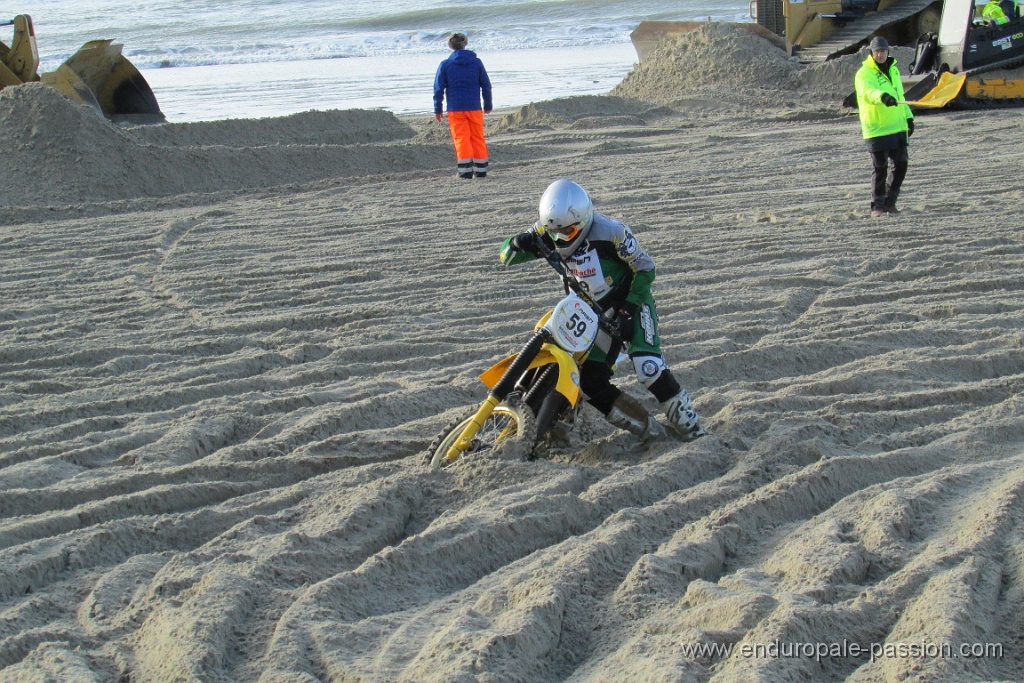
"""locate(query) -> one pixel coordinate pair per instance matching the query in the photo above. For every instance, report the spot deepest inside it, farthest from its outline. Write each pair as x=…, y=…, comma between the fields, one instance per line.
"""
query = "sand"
x=224, y=348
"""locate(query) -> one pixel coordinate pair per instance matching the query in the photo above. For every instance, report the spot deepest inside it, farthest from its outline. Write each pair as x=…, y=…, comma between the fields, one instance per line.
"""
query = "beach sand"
x=224, y=347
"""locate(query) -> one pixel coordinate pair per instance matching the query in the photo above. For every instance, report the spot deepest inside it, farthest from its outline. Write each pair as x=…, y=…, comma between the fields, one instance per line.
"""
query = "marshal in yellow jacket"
x=873, y=81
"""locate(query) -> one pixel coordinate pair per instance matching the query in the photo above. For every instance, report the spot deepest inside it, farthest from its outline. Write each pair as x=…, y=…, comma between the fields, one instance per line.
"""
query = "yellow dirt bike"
x=537, y=389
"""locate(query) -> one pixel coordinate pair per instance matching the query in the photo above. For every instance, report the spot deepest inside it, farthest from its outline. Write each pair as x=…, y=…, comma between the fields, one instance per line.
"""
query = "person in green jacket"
x=995, y=12
x=885, y=123
x=603, y=256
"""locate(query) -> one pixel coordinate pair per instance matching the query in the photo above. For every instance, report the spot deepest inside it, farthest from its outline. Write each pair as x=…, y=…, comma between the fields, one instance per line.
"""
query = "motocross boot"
x=628, y=414
x=682, y=417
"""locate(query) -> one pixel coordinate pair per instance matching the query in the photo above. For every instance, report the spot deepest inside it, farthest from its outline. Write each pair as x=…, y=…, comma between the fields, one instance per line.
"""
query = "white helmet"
x=566, y=214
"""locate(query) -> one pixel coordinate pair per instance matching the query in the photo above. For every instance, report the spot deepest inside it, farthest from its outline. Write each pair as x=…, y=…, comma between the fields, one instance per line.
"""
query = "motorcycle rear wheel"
x=511, y=425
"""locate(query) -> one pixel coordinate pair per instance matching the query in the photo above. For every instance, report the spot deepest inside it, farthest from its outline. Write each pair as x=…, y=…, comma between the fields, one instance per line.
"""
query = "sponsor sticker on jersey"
x=647, y=323
x=628, y=247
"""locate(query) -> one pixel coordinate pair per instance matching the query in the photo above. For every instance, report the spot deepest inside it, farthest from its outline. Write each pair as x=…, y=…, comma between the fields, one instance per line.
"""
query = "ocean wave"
x=545, y=14
x=371, y=46
x=267, y=32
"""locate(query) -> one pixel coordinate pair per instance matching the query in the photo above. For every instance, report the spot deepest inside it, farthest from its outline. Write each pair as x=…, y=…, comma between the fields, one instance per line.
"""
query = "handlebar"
x=555, y=261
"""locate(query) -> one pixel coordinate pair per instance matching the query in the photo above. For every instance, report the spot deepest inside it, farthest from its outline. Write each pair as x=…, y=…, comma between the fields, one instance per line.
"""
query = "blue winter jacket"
x=462, y=78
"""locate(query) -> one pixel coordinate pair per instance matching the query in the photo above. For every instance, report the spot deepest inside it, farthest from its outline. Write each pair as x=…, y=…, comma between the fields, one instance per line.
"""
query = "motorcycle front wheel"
x=511, y=425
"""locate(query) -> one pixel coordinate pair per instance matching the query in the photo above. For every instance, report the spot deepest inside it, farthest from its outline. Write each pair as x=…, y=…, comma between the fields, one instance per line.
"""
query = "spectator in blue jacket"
x=462, y=81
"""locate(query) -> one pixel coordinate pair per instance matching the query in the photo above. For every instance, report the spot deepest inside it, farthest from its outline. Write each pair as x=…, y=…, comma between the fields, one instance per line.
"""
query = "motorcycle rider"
x=604, y=257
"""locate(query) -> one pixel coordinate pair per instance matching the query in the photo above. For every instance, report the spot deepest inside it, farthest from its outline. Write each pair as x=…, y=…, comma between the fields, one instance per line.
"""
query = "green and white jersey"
x=610, y=263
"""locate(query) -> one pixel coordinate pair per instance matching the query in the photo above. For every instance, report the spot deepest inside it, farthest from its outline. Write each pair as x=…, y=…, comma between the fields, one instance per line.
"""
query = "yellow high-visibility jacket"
x=876, y=119
x=994, y=12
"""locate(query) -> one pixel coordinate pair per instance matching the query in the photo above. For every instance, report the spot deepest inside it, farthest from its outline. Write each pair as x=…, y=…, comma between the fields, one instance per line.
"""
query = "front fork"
x=498, y=393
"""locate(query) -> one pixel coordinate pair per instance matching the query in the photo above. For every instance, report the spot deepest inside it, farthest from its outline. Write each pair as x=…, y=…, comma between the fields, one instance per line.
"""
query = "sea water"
x=258, y=58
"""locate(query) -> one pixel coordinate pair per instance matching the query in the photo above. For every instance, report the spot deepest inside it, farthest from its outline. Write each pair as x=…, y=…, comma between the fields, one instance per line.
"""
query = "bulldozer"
x=967, y=63
x=97, y=75
x=816, y=30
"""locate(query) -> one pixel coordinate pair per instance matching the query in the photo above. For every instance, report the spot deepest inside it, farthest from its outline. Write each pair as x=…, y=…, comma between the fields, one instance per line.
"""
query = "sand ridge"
x=217, y=381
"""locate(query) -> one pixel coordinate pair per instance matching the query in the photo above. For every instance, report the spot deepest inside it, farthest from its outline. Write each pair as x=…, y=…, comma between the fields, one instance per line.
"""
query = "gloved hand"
x=910, y=127
x=525, y=241
x=625, y=321
x=888, y=100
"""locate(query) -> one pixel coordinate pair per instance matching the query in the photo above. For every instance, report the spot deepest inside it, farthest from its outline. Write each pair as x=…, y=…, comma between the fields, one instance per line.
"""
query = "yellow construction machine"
x=968, y=63
x=98, y=75
x=816, y=30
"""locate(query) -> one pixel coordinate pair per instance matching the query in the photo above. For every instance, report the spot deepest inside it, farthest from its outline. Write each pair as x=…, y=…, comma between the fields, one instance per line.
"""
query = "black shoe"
x=466, y=176
x=481, y=175
x=891, y=209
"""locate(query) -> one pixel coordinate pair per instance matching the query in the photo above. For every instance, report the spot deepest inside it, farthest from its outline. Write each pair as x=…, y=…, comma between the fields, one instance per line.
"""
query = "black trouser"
x=595, y=382
x=886, y=181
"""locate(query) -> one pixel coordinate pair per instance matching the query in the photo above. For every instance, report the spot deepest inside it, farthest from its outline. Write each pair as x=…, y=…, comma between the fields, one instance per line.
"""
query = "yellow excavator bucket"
x=72, y=87
x=97, y=75
x=945, y=91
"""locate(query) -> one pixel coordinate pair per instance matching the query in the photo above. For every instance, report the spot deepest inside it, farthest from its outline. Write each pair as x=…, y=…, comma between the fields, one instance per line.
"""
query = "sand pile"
x=61, y=153
x=345, y=127
x=724, y=62
x=579, y=112
x=717, y=55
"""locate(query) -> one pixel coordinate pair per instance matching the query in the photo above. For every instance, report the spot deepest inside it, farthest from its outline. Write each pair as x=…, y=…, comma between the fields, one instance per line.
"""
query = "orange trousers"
x=467, y=129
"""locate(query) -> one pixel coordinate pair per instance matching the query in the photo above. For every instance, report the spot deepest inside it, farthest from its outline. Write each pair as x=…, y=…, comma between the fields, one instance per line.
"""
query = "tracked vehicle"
x=967, y=63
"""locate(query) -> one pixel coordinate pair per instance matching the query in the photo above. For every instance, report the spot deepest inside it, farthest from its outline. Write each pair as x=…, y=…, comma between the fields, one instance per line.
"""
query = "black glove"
x=888, y=100
x=910, y=127
x=624, y=321
x=525, y=241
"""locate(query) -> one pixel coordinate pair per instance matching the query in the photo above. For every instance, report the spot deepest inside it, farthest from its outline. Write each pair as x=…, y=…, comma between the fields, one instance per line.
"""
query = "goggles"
x=565, y=233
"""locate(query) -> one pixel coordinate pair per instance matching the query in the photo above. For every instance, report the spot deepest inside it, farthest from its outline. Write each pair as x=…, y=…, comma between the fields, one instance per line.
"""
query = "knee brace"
x=649, y=368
